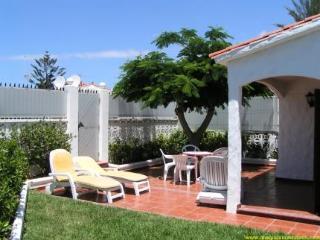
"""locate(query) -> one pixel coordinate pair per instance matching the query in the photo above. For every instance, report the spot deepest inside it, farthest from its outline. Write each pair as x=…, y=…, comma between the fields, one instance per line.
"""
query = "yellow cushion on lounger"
x=62, y=162
x=96, y=182
x=87, y=163
x=129, y=176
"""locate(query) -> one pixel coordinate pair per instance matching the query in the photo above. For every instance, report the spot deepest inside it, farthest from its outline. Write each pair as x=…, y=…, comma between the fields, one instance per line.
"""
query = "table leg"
x=175, y=175
x=196, y=169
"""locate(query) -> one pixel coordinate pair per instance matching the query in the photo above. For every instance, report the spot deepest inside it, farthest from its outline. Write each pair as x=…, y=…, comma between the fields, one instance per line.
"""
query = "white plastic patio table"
x=198, y=155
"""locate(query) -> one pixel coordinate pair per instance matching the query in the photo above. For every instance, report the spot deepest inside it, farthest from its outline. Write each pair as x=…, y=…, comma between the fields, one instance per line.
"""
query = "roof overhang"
x=253, y=46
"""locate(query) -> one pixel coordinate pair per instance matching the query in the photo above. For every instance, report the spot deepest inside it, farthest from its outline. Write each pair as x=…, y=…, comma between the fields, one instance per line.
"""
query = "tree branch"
x=180, y=113
x=205, y=123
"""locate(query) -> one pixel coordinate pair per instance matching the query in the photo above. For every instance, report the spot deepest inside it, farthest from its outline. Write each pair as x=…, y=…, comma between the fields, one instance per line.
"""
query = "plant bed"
x=50, y=217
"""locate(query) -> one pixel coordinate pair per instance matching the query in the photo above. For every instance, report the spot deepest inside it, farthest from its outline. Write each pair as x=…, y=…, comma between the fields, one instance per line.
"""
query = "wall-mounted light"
x=310, y=99
x=80, y=125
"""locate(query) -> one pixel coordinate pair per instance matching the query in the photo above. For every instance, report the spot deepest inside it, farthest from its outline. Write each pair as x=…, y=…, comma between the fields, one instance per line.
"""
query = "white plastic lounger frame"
x=73, y=185
x=167, y=165
x=139, y=186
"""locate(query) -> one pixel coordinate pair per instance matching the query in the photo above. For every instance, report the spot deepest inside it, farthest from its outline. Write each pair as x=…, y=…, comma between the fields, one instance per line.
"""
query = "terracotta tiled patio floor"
x=178, y=201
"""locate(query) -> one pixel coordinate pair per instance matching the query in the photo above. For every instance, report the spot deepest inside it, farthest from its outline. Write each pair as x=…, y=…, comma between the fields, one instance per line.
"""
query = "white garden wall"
x=32, y=103
x=81, y=113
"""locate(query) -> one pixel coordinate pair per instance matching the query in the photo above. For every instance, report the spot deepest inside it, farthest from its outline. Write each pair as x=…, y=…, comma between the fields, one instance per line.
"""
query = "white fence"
x=32, y=103
x=86, y=116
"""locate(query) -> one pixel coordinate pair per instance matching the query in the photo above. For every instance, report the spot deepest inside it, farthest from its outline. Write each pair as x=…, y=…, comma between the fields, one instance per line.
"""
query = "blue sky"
x=93, y=38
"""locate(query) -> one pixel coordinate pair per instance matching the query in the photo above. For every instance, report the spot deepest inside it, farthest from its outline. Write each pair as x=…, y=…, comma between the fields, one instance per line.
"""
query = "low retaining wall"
x=136, y=165
x=259, y=161
x=17, y=227
x=158, y=161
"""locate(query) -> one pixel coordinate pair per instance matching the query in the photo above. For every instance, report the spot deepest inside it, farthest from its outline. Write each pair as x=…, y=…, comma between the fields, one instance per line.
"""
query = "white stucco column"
x=234, y=147
x=72, y=116
x=103, y=124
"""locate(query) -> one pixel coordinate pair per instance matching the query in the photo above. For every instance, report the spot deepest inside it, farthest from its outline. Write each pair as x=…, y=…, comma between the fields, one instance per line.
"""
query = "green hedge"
x=37, y=140
x=13, y=172
x=133, y=150
x=25, y=152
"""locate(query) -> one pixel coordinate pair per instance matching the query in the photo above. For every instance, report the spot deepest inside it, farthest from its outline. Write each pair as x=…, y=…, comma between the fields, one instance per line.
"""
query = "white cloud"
x=26, y=57
x=80, y=55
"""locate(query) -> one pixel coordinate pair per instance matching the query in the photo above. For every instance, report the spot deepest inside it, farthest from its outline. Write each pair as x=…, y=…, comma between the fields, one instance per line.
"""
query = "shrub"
x=173, y=142
x=213, y=140
x=256, y=150
x=275, y=153
x=133, y=150
x=13, y=171
x=252, y=149
x=37, y=140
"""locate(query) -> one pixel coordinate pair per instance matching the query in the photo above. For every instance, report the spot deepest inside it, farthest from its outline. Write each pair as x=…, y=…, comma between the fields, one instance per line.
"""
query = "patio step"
x=279, y=213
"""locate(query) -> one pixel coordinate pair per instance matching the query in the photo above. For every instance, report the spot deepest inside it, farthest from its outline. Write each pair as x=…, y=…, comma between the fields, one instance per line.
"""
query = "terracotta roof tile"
x=264, y=36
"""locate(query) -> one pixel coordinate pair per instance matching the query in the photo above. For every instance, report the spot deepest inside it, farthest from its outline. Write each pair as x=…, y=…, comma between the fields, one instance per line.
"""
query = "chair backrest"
x=165, y=157
x=214, y=172
x=61, y=161
x=181, y=161
x=89, y=164
x=190, y=147
x=223, y=152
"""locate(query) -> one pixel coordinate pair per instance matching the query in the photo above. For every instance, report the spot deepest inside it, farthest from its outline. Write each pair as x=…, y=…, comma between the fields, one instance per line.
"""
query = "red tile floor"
x=178, y=201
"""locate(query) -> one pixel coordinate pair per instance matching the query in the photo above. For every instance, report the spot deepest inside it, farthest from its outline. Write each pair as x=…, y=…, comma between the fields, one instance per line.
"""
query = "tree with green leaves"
x=192, y=80
x=45, y=71
x=302, y=9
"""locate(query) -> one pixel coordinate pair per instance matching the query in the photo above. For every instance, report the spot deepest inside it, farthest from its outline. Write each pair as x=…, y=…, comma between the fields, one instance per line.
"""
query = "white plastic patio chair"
x=213, y=177
x=190, y=147
x=182, y=164
x=221, y=152
x=168, y=163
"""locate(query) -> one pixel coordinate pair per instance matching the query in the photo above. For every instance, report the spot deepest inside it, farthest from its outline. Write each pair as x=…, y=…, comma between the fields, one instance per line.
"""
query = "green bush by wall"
x=13, y=172
x=37, y=140
x=121, y=152
x=133, y=150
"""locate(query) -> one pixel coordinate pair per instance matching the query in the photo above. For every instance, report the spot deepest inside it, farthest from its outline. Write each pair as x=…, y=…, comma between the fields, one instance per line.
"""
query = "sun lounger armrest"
x=70, y=180
x=63, y=174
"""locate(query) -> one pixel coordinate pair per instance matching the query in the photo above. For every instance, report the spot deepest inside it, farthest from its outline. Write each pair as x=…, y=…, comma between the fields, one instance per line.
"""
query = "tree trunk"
x=194, y=137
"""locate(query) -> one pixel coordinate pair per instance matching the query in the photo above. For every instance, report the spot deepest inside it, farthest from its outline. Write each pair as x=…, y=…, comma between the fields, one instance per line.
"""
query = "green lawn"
x=51, y=217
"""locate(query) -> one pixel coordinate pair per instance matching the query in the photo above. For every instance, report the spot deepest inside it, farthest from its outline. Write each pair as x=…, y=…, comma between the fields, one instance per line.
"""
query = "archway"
x=291, y=185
